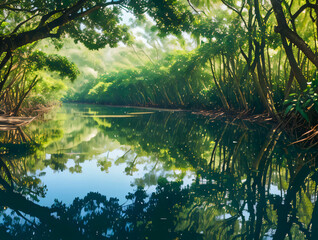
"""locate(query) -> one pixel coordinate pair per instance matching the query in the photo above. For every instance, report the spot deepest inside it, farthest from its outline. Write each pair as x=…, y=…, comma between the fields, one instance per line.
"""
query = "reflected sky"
x=74, y=181
x=175, y=175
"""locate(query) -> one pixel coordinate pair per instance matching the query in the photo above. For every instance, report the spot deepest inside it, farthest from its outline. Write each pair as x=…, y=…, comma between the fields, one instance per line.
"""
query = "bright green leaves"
x=3, y=25
x=221, y=35
x=98, y=29
x=296, y=105
x=54, y=63
x=96, y=23
x=173, y=81
x=171, y=16
x=305, y=104
x=100, y=88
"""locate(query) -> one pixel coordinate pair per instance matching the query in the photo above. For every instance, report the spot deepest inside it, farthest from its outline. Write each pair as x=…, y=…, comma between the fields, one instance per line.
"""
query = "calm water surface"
x=96, y=172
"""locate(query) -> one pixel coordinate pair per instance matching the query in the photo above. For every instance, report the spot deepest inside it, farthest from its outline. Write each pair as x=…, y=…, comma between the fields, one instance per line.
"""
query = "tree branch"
x=19, y=25
x=194, y=9
x=20, y=9
x=236, y=11
x=292, y=36
x=302, y=8
x=47, y=16
x=13, y=42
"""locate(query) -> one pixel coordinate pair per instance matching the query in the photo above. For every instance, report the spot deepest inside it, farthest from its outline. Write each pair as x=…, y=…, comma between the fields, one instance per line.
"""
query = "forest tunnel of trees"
x=197, y=177
x=249, y=56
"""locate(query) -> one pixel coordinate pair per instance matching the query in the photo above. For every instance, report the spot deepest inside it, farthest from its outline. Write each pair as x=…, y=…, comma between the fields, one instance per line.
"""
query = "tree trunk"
x=286, y=33
x=17, y=108
x=219, y=89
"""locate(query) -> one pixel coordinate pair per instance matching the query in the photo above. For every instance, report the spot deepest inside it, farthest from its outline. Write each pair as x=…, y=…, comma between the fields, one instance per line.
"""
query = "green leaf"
x=302, y=113
x=307, y=103
x=289, y=109
x=287, y=101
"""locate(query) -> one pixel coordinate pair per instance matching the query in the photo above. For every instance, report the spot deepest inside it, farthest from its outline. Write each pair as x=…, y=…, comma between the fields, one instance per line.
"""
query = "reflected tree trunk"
x=62, y=229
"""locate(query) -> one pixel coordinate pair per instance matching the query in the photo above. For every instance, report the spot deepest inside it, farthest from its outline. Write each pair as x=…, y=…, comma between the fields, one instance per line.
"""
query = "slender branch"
x=292, y=36
x=20, y=9
x=194, y=9
x=7, y=74
x=19, y=25
x=5, y=18
x=236, y=11
x=137, y=54
x=7, y=3
x=302, y=8
x=33, y=83
x=5, y=59
x=268, y=14
x=244, y=55
x=47, y=16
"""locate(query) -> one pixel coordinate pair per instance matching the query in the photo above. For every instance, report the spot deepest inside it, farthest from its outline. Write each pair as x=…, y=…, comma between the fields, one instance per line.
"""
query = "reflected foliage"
x=214, y=207
x=248, y=182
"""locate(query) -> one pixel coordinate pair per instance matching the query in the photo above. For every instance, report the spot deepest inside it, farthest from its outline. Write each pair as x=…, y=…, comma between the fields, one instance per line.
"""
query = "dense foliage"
x=92, y=23
x=160, y=84
x=250, y=55
x=28, y=73
x=239, y=63
x=245, y=180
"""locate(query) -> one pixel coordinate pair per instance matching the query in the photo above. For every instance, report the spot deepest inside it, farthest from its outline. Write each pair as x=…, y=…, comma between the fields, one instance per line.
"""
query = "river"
x=98, y=172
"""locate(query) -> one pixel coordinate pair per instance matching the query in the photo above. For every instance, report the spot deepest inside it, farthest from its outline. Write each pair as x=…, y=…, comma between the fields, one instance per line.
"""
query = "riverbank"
x=216, y=114
x=12, y=122
x=27, y=115
x=306, y=136
x=300, y=132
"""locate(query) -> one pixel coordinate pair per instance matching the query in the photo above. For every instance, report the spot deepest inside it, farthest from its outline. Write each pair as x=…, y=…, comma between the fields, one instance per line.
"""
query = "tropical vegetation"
x=249, y=56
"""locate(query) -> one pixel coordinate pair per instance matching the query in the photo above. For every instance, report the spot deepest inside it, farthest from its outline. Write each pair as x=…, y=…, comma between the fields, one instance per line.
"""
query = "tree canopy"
x=256, y=53
x=94, y=23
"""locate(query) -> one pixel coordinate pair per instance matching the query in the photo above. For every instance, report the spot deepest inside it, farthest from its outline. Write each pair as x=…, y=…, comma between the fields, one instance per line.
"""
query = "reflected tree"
x=248, y=184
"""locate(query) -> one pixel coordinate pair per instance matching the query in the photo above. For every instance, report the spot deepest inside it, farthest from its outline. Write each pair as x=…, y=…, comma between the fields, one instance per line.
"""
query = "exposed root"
x=234, y=115
x=305, y=136
x=308, y=139
x=10, y=122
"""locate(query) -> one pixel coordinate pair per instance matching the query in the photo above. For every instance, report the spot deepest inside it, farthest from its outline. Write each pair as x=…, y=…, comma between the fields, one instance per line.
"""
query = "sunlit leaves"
x=54, y=63
x=98, y=29
x=96, y=23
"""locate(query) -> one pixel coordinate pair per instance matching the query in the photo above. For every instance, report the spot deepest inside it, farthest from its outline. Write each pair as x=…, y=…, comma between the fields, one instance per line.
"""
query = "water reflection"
x=248, y=182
